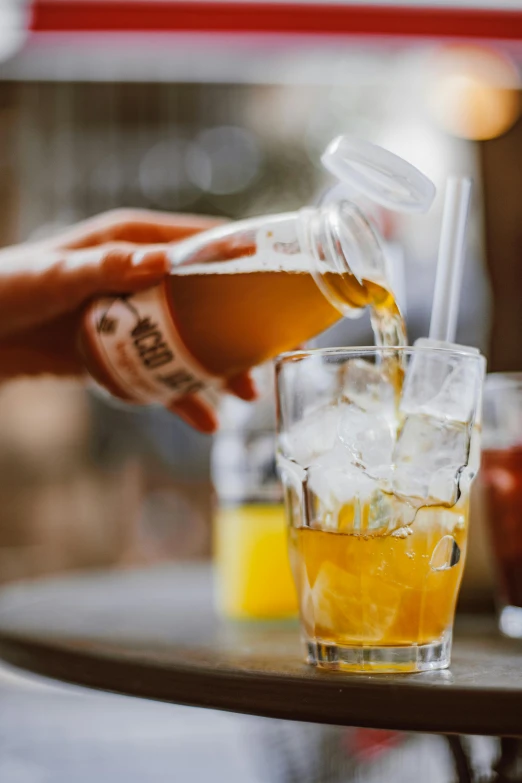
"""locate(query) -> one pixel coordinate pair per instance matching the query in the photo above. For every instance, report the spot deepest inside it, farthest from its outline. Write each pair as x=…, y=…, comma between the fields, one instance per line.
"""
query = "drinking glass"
x=501, y=477
x=377, y=448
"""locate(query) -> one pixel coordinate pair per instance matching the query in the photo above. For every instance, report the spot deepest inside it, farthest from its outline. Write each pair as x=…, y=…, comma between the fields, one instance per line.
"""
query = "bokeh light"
x=163, y=176
x=474, y=92
x=223, y=160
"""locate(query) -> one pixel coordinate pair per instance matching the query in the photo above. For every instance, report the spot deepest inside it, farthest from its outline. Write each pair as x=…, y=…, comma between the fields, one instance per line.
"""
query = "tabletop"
x=153, y=633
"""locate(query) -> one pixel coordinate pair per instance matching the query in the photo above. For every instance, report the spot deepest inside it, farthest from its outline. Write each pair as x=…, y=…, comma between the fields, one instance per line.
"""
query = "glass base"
x=384, y=660
x=510, y=621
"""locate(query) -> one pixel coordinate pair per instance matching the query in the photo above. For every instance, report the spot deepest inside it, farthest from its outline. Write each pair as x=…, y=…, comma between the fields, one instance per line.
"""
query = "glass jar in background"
x=501, y=478
x=252, y=571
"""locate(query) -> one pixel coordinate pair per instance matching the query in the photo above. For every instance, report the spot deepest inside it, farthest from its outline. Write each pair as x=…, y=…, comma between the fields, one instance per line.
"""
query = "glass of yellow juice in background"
x=253, y=577
x=377, y=448
x=253, y=580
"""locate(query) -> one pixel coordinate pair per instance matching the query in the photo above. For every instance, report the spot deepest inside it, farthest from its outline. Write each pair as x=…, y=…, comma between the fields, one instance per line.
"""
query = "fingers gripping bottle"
x=242, y=293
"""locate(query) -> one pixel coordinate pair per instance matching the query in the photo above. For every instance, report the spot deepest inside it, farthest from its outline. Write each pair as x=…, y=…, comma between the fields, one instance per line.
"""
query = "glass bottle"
x=242, y=293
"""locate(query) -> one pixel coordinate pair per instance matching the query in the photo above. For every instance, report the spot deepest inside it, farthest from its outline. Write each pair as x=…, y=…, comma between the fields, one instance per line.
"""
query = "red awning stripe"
x=261, y=17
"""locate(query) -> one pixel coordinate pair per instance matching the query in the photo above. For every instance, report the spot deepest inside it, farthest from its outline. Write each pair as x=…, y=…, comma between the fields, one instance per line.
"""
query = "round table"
x=153, y=633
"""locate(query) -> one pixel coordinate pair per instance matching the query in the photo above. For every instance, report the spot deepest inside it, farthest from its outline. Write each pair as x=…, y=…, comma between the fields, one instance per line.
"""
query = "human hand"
x=45, y=285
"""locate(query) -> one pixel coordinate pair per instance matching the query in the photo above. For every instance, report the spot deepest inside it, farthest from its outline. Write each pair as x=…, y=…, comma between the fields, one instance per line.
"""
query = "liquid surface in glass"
x=381, y=589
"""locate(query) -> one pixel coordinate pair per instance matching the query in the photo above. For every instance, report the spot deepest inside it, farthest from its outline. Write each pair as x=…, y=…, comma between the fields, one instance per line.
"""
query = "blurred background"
x=173, y=107
x=206, y=123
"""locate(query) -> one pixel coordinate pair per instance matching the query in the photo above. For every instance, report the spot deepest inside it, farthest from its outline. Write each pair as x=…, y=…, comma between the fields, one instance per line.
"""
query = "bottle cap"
x=379, y=174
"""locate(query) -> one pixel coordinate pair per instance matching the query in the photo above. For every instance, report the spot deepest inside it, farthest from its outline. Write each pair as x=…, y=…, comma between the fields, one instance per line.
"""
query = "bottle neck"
x=346, y=252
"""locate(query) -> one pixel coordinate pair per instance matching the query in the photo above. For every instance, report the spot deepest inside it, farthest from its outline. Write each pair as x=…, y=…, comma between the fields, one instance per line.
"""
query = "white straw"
x=450, y=263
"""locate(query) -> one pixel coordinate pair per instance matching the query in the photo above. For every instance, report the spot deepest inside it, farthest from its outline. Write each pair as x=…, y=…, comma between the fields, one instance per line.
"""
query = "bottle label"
x=140, y=347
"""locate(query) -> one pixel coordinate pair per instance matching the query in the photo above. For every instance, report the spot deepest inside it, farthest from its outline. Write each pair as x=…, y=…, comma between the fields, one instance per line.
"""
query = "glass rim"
x=369, y=350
